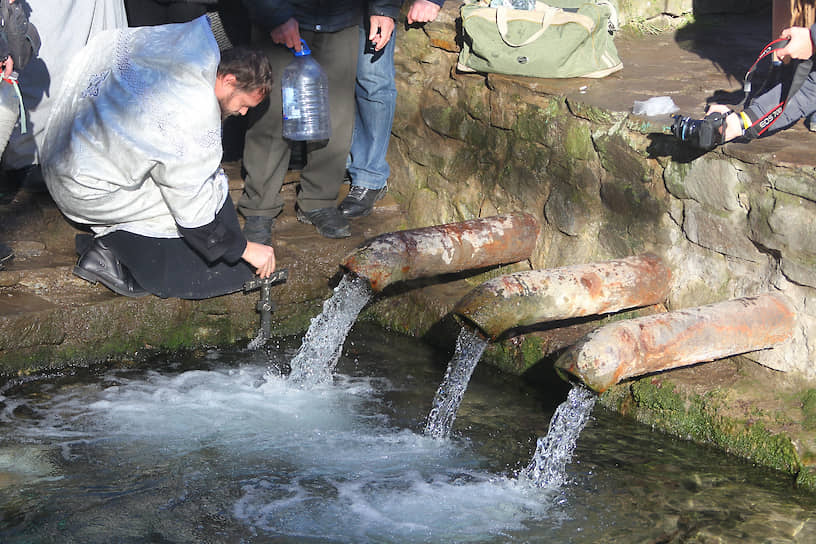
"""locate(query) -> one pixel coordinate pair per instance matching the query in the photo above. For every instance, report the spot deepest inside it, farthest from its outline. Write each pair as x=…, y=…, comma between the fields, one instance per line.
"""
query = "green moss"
x=698, y=417
x=593, y=114
x=578, y=142
x=806, y=479
x=809, y=409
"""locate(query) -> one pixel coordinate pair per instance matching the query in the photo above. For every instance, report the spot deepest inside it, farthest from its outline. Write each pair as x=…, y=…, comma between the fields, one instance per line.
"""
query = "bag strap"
x=544, y=15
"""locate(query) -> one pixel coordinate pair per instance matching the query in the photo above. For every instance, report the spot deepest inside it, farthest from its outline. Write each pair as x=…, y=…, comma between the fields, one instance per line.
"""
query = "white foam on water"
x=404, y=506
x=323, y=462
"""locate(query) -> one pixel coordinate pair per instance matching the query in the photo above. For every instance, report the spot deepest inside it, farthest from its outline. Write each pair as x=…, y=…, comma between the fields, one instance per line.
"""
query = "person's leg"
x=322, y=176
x=170, y=267
x=376, y=98
x=266, y=155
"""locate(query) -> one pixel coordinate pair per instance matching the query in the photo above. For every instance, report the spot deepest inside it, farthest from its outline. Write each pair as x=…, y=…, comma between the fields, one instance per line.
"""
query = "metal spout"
x=626, y=349
x=444, y=249
x=539, y=296
x=266, y=305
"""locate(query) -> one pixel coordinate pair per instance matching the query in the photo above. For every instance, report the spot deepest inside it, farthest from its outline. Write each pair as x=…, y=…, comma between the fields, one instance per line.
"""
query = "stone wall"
x=735, y=222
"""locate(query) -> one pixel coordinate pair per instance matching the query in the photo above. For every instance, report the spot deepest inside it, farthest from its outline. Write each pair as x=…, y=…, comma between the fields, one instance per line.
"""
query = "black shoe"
x=258, y=229
x=99, y=264
x=6, y=255
x=360, y=201
x=329, y=222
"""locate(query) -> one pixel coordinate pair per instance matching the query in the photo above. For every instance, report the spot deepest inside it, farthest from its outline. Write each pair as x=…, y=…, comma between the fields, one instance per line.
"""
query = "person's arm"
x=424, y=11
x=288, y=34
x=222, y=239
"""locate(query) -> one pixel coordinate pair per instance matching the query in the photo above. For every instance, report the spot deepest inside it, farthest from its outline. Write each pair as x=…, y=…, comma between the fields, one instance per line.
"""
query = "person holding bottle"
x=376, y=100
x=331, y=32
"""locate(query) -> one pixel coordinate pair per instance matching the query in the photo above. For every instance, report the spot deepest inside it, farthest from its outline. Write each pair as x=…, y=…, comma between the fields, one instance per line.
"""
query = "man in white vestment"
x=133, y=150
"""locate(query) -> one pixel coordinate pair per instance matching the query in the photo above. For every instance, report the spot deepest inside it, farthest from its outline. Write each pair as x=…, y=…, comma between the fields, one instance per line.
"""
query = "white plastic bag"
x=657, y=105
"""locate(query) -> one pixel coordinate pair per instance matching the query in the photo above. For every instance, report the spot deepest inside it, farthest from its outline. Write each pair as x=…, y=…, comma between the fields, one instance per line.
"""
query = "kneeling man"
x=133, y=150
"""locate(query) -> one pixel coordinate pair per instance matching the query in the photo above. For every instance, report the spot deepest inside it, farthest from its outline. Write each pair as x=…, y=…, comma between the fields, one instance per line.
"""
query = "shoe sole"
x=96, y=278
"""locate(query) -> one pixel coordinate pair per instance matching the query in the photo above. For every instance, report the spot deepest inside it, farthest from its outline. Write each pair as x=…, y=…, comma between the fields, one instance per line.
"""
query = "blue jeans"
x=376, y=97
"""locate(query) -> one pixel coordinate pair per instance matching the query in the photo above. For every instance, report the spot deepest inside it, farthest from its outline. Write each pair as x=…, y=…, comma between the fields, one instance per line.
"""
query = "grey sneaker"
x=360, y=201
x=329, y=222
x=258, y=229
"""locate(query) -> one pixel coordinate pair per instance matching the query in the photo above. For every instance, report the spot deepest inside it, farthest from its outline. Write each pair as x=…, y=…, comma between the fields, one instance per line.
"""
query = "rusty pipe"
x=539, y=296
x=626, y=349
x=444, y=249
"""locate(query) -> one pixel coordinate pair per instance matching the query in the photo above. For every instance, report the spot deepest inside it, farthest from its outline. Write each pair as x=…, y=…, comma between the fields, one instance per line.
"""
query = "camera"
x=702, y=133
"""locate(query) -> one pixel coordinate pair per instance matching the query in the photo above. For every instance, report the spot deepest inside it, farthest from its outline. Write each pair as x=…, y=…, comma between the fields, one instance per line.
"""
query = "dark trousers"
x=266, y=153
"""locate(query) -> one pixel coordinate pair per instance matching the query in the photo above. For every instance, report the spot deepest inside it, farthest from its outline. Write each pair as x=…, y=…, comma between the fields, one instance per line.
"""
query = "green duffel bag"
x=570, y=40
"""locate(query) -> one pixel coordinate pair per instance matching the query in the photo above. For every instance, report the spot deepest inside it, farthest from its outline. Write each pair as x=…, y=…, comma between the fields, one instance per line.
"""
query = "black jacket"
x=318, y=15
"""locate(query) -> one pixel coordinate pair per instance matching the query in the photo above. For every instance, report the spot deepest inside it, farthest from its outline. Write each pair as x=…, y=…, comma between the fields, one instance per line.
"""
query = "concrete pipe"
x=540, y=296
x=626, y=349
x=444, y=249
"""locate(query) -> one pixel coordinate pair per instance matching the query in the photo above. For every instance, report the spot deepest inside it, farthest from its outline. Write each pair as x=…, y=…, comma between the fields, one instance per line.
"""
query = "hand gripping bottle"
x=305, y=93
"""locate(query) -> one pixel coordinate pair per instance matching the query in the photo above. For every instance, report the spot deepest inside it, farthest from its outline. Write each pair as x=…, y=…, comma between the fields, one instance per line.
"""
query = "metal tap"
x=265, y=304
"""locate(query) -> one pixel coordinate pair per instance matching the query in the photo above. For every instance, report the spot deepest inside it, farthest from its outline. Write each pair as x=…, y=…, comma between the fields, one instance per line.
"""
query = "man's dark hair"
x=250, y=67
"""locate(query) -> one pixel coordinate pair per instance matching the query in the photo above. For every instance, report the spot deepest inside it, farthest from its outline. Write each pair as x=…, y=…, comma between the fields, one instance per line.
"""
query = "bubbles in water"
x=469, y=348
x=318, y=354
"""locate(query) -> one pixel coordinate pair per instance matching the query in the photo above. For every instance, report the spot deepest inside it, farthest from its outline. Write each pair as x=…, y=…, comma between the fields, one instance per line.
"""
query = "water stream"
x=209, y=446
x=554, y=451
x=469, y=348
x=317, y=357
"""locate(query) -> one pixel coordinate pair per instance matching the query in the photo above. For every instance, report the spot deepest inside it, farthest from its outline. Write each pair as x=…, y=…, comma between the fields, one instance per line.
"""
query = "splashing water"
x=257, y=342
x=554, y=451
x=469, y=348
x=314, y=362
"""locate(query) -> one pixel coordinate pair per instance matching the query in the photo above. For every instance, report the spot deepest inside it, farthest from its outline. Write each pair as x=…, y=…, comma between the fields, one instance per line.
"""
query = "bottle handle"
x=303, y=50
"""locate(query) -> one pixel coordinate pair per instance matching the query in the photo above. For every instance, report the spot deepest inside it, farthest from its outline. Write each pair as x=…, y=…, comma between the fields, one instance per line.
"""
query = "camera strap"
x=800, y=74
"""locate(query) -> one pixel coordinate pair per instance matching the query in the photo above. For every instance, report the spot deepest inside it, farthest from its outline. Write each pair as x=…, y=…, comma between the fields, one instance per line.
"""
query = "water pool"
x=211, y=447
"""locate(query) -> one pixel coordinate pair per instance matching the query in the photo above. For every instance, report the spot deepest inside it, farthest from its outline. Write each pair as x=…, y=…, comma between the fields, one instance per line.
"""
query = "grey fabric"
x=134, y=139
x=801, y=104
x=9, y=112
x=65, y=28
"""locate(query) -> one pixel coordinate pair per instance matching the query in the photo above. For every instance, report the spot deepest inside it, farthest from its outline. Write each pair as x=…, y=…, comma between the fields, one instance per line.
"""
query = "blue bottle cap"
x=303, y=51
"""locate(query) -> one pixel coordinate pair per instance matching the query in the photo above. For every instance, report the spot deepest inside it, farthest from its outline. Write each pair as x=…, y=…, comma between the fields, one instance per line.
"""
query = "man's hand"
x=422, y=11
x=287, y=34
x=800, y=46
x=382, y=28
x=261, y=257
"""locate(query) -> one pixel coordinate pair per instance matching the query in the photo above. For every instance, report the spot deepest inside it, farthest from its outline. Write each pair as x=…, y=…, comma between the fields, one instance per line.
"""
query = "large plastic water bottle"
x=305, y=90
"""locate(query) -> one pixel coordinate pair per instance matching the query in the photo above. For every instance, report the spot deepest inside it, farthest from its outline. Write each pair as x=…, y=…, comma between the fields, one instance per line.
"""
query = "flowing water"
x=554, y=451
x=469, y=348
x=318, y=354
x=211, y=447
